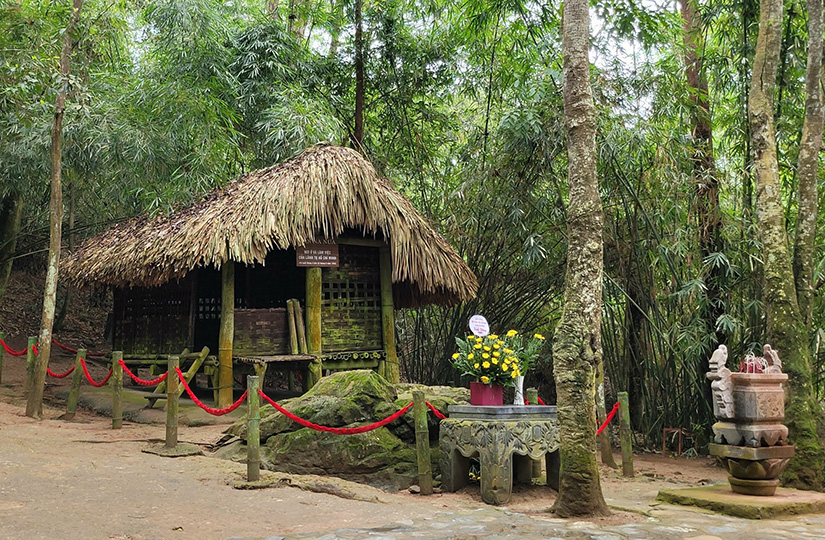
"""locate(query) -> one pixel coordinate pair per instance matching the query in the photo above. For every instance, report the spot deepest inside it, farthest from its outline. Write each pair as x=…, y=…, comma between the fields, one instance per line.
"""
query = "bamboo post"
x=74, y=392
x=314, y=323
x=293, y=331
x=30, y=358
x=116, y=383
x=625, y=436
x=422, y=443
x=172, y=403
x=302, y=333
x=253, y=429
x=2, y=338
x=291, y=317
x=226, y=335
x=389, y=367
x=302, y=347
x=532, y=396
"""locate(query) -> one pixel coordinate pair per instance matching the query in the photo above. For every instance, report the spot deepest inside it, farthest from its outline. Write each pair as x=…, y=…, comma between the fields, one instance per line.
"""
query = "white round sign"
x=479, y=326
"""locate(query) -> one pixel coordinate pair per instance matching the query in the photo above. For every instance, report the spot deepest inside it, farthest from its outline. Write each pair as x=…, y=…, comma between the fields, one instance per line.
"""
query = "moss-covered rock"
x=341, y=399
x=384, y=457
x=377, y=457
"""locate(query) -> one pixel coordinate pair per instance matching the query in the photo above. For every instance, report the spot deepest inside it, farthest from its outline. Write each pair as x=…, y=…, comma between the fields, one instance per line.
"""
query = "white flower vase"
x=519, y=387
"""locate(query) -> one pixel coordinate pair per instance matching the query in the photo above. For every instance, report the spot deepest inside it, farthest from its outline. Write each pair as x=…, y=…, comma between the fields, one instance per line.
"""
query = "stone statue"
x=721, y=384
x=772, y=359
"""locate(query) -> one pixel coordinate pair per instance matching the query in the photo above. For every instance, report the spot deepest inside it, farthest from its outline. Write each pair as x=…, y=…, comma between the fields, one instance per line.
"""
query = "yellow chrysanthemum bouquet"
x=496, y=359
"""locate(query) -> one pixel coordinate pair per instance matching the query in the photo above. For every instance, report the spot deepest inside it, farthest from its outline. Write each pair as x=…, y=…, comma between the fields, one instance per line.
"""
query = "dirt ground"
x=83, y=480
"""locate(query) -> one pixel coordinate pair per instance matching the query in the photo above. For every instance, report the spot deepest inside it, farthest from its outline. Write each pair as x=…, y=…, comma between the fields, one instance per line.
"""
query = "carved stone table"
x=506, y=439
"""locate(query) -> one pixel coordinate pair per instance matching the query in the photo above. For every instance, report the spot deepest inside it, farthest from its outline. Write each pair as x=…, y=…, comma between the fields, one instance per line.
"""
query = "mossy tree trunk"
x=705, y=177
x=577, y=348
x=808, y=167
x=34, y=404
x=785, y=328
x=67, y=297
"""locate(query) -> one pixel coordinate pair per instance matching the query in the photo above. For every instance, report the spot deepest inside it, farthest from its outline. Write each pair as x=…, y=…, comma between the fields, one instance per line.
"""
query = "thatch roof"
x=317, y=195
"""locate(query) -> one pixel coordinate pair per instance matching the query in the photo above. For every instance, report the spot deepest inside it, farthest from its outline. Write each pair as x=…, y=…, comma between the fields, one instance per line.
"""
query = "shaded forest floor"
x=21, y=307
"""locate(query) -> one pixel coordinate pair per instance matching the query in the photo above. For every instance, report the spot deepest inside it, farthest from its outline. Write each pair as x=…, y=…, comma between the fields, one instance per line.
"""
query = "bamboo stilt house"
x=322, y=228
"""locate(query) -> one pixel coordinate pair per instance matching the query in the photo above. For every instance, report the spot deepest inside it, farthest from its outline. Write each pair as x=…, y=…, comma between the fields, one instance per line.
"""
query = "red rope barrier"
x=202, y=405
x=59, y=375
x=11, y=351
x=89, y=377
x=436, y=412
x=607, y=420
x=140, y=381
x=338, y=431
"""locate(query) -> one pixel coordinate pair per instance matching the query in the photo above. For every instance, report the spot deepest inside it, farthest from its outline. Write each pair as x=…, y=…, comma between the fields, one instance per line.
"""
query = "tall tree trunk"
x=637, y=347
x=67, y=297
x=357, y=139
x=34, y=405
x=11, y=214
x=785, y=327
x=704, y=171
x=808, y=167
x=577, y=347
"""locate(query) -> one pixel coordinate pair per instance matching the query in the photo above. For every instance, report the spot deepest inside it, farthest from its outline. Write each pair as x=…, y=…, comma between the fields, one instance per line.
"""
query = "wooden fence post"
x=2, y=338
x=30, y=358
x=172, y=403
x=422, y=443
x=253, y=429
x=117, y=390
x=625, y=435
x=74, y=392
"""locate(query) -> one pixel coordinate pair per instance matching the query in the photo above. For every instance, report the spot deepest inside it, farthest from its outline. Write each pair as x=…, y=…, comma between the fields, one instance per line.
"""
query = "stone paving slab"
x=666, y=523
x=720, y=498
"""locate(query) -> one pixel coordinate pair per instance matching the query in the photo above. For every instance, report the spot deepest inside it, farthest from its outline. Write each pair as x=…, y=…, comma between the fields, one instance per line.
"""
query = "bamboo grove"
x=460, y=106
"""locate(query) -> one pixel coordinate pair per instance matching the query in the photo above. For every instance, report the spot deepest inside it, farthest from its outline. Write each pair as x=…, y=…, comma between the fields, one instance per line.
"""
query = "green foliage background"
x=170, y=98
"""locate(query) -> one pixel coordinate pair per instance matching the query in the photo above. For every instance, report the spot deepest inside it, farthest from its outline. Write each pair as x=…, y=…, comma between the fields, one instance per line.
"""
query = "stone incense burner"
x=749, y=435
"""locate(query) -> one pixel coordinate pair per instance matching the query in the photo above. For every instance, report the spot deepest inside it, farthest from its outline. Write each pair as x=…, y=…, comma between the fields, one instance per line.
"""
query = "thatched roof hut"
x=232, y=272
x=320, y=194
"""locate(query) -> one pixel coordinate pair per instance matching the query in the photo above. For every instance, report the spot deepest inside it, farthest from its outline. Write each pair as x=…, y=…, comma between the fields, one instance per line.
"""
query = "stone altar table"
x=506, y=439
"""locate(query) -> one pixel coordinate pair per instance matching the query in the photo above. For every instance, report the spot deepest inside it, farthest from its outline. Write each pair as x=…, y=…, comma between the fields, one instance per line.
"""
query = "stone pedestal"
x=753, y=471
x=506, y=439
